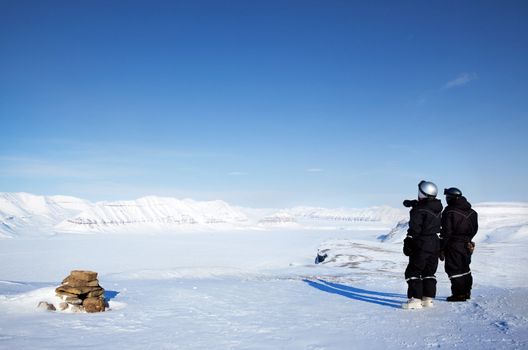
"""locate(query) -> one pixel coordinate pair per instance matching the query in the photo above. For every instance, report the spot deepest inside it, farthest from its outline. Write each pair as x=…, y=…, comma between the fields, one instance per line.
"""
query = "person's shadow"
x=380, y=298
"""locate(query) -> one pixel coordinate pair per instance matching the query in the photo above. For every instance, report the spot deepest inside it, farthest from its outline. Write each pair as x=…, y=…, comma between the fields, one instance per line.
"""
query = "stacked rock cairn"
x=80, y=291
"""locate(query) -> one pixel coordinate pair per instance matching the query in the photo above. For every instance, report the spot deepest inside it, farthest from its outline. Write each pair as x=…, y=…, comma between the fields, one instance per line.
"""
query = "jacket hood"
x=432, y=204
x=460, y=203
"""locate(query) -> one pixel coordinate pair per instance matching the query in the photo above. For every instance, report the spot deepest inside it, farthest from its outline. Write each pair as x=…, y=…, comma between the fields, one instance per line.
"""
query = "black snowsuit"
x=459, y=226
x=422, y=236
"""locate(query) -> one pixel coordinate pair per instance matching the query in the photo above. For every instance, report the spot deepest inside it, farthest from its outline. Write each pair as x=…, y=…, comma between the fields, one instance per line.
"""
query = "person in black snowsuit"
x=459, y=226
x=422, y=246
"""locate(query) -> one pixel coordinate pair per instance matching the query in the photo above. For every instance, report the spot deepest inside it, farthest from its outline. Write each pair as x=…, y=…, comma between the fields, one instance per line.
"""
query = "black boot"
x=457, y=298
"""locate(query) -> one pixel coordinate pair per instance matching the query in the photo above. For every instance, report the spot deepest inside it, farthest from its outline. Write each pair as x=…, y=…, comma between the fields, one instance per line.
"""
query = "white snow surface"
x=250, y=289
x=254, y=290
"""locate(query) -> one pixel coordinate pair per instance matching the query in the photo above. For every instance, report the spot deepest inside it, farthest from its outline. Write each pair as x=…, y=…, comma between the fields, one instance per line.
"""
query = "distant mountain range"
x=24, y=214
x=28, y=215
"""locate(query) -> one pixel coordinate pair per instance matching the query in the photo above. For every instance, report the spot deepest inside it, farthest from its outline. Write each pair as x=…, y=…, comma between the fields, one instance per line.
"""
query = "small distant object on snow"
x=44, y=305
x=321, y=256
x=79, y=292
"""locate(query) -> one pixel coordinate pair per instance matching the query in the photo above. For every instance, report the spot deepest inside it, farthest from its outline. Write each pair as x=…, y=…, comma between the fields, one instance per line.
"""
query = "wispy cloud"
x=86, y=169
x=65, y=158
x=314, y=170
x=461, y=80
x=71, y=147
x=236, y=173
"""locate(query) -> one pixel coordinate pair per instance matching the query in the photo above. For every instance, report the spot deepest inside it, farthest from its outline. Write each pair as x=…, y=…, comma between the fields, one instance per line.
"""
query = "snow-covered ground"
x=260, y=289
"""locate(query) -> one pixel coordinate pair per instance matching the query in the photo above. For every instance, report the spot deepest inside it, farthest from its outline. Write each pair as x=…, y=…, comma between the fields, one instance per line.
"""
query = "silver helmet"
x=427, y=189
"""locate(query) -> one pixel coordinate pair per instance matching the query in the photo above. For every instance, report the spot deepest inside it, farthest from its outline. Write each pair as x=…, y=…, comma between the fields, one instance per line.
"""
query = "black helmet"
x=452, y=192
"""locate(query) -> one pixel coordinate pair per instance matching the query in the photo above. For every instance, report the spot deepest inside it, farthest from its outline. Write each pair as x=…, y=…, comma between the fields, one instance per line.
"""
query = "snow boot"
x=427, y=302
x=412, y=303
x=457, y=298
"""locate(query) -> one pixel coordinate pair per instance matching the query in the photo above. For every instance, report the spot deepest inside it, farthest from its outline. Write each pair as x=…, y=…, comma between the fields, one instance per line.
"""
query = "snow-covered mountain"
x=498, y=222
x=339, y=218
x=153, y=212
x=21, y=213
x=33, y=215
x=24, y=214
x=372, y=214
x=36, y=215
x=280, y=219
x=502, y=221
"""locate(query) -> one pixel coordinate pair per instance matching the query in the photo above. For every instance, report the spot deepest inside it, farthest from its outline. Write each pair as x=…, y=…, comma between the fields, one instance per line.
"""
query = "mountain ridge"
x=21, y=212
x=24, y=214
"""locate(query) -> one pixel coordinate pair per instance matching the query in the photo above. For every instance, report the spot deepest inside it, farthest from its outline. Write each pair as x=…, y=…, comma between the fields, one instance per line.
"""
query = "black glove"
x=408, y=203
x=441, y=255
x=407, y=246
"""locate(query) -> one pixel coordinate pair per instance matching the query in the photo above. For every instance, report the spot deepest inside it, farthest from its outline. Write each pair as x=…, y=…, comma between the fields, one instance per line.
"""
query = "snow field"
x=254, y=290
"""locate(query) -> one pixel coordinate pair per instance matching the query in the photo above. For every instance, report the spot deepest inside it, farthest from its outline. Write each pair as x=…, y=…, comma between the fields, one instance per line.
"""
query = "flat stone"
x=64, y=295
x=44, y=305
x=75, y=290
x=72, y=282
x=94, y=305
x=83, y=275
x=65, y=290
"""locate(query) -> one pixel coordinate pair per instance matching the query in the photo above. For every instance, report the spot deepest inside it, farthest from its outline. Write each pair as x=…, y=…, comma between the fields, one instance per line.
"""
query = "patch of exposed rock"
x=79, y=292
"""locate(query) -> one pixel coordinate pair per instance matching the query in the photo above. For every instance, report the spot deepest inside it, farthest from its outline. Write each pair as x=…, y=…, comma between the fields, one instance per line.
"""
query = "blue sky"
x=264, y=103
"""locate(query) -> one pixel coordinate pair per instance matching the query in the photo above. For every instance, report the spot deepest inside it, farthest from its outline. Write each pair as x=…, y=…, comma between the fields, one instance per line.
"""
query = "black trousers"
x=420, y=274
x=457, y=260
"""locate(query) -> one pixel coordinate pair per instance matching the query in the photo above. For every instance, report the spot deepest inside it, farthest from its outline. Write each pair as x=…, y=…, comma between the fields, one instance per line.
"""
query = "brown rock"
x=63, y=306
x=72, y=282
x=83, y=275
x=65, y=290
x=75, y=290
x=95, y=293
x=94, y=304
x=64, y=295
x=46, y=306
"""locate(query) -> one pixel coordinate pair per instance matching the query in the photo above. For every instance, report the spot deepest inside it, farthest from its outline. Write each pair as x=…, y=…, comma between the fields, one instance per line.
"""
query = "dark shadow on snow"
x=110, y=294
x=379, y=298
x=362, y=291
